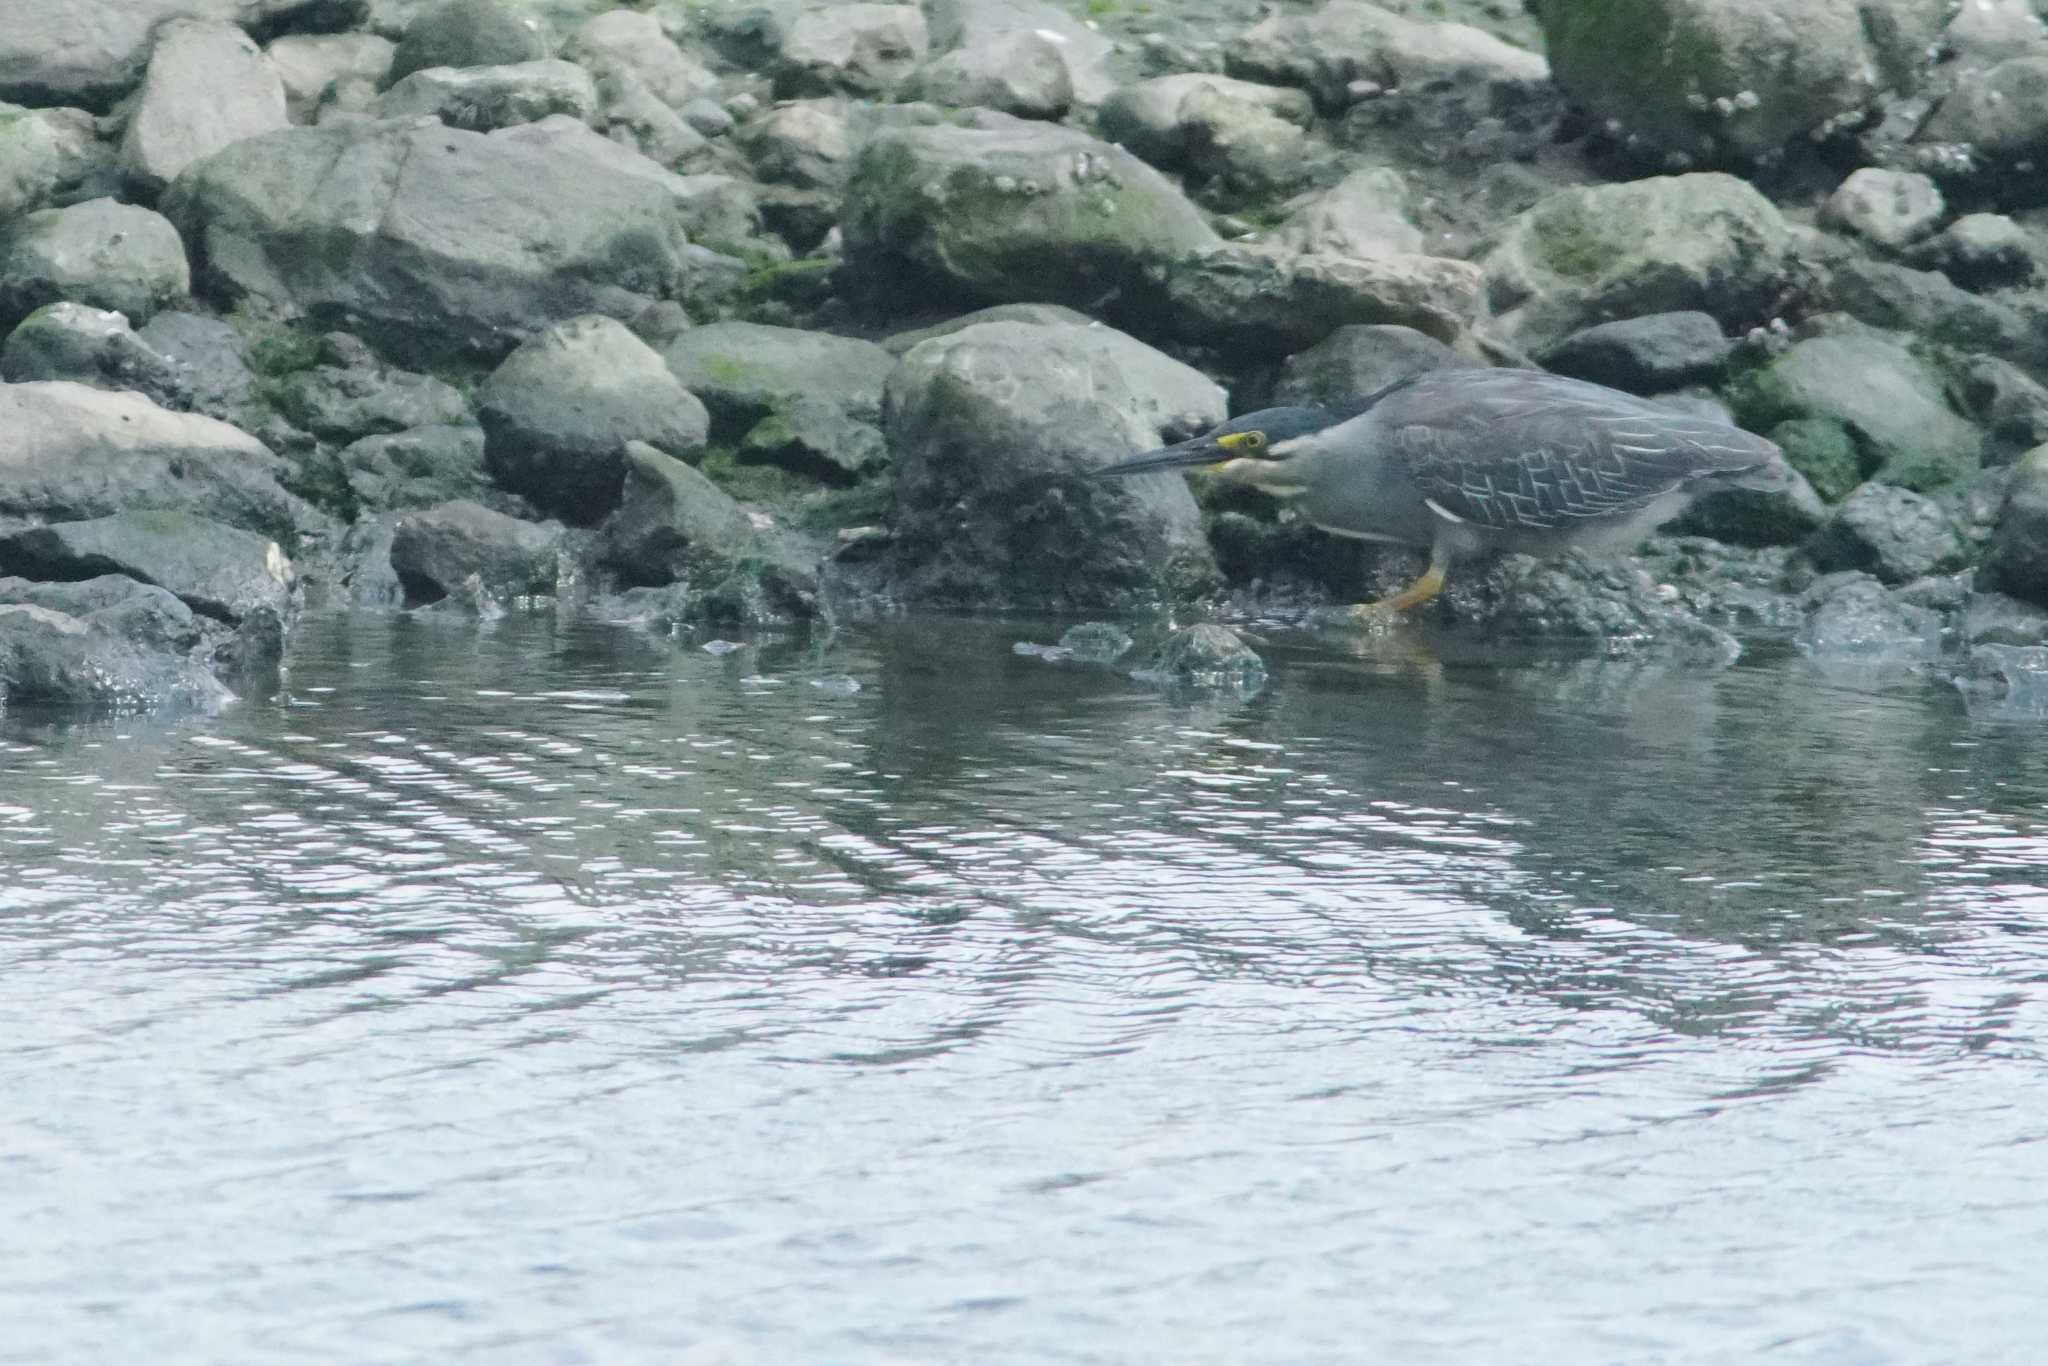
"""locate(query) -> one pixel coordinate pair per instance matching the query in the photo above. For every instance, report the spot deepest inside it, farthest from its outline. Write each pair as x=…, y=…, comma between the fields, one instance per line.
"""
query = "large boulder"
x=219, y=570
x=1705, y=242
x=996, y=430
x=1349, y=40
x=71, y=452
x=100, y=253
x=557, y=415
x=1019, y=211
x=2018, y=563
x=788, y=396
x=48, y=655
x=432, y=240
x=462, y=33
x=1736, y=78
x=209, y=86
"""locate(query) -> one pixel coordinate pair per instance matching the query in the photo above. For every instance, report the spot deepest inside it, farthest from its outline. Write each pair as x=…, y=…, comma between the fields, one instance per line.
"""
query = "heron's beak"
x=1202, y=450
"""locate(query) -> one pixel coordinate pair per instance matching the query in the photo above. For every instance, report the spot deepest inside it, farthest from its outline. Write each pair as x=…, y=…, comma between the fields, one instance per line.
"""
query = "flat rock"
x=1273, y=302
x=100, y=253
x=213, y=568
x=209, y=86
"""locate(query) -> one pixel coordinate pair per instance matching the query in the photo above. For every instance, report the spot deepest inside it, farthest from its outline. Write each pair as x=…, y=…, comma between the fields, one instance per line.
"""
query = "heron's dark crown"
x=1284, y=424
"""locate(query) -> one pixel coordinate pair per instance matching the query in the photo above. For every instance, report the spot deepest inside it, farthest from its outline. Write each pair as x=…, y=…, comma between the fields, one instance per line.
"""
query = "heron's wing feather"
x=1550, y=456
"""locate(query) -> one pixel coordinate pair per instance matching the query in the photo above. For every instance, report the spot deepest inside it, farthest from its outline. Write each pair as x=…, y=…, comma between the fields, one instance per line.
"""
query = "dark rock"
x=675, y=527
x=99, y=253
x=1271, y=303
x=1095, y=642
x=2006, y=681
x=429, y=240
x=1851, y=618
x=212, y=361
x=215, y=569
x=1608, y=606
x=357, y=395
x=463, y=33
x=1824, y=453
x=1645, y=355
x=47, y=656
x=857, y=48
x=436, y=551
x=1927, y=303
x=1756, y=517
x=1017, y=212
x=72, y=453
x=2005, y=400
x=121, y=606
x=995, y=429
x=91, y=346
x=1354, y=361
x=1892, y=533
x=209, y=86
x=1981, y=251
x=1889, y=209
x=2018, y=562
x=557, y=415
x=419, y=468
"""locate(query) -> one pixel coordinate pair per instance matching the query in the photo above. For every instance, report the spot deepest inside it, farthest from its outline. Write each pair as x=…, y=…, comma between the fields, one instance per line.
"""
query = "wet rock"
x=1014, y=72
x=1612, y=607
x=1018, y=212
x=621, y=39
x=91, y=346
x=121, y=606
x=1367, y=213
x=1725, y=583
x=995, y=428
x=354, y=394
x=48, y=656
x=1981, y=251
x=966, y=24
x=212, y=362
x=1889, y=209
x=431, y=240
x=462, y=33
x=1890, y=404
x=1891, y=533
x=1992, y=618
x=438, y=550
x=1824, y=453
x=1851, y=618
x=309, y=64
x=1270, y=303
x=1347, y=41
x=1736, y=78
x=675, y=527
x=1355, y=361
x=1205, y=655
x=100, y=253
x=807, y=399
x=2005, y=681
x=857, y=48
x=208, y=87
x=31, y=161
x=213, y=568
x=1997, y=117
x=73, y=452
x=2004, y=400
x=1095, y=642
x=419, y=468
x=486, y=97
x=1926, y=302
x=1705, y=242
x=557, y=415
x=1647, y=355
x=2018, y=560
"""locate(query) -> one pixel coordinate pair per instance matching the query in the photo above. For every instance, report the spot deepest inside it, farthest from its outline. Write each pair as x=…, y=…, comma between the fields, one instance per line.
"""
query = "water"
x=555, y=993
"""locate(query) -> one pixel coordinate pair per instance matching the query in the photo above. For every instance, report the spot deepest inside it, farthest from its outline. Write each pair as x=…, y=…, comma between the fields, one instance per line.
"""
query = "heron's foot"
x=1379, y=616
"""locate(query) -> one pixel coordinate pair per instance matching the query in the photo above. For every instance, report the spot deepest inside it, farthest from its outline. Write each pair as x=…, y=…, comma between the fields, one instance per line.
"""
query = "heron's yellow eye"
x=1244, y=443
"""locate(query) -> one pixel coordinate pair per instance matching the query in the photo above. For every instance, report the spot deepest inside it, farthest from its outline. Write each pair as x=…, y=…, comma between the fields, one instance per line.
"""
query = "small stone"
x=1890, y=209
x=1892, y=533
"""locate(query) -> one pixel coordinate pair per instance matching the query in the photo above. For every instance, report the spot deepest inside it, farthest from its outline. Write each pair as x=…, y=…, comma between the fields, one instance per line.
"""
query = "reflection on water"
x=557, y=993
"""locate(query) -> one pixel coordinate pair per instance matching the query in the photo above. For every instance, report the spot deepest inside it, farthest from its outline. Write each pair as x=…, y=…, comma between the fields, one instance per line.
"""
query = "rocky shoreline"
x=732, y=314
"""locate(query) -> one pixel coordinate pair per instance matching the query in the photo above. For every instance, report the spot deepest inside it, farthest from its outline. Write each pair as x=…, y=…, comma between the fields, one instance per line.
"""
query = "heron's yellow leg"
x=1414, y=595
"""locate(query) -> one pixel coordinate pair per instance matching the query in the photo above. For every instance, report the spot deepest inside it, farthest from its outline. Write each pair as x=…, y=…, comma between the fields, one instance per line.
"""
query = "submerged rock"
x=1205, y=655
x=216, y=569
x=1851, y=618
x=1610, y=606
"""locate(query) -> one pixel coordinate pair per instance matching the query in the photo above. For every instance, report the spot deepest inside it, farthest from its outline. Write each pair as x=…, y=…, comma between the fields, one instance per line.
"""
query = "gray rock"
x=1355, y=361
x=114, y=603
x=1985, y=32
x=621, y=39
x=859, y=48
x=1926, y=302
x=991, y=427
x=675, y=527
x=208, y=87
x=1890, y=404
x=212, y=361
x=1045, y=315
x=635, y=117
x=1981, y=251
x=1610, y=607
x=1157, y=118
x=747, y=373
x=1786, y=515
x=1020, y=212
x=1645, y=355
x=431, y=240
x=354, y=394
x=708, y=117
x=1736, y=78
x=712, y=207
x=805, y=143
x=91, y=346
x=1347, y=40
x=1367, y=213
x=1995, y=619
x=1993, y=119
x=2004, y=400
x=438, y=550
x=1207, y=655
x=1852, y=619
x=481, y=98
x=215, y=569
x=74, y=452
x=48, y=656
x=31, y=161
x=957, y=24
x=1889, y=209
x=1705, y=242
x=419, y=468
x=1891, y=533
x=558, y=413
x=463, y=33
x=1018, y=73
x=1270, y=303
x=308, y=64
x=107, y=255
x=2018, y=561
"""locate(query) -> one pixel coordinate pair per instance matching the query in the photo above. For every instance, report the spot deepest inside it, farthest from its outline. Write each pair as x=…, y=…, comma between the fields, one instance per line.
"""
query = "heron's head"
x=1253, y=449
